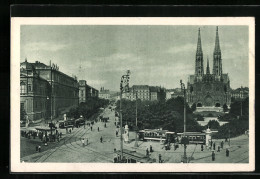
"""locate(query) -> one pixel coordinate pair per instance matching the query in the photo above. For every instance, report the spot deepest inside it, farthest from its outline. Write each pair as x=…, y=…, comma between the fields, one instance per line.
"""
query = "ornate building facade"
x=86, y=91
x=47, y=83
x=206, y=89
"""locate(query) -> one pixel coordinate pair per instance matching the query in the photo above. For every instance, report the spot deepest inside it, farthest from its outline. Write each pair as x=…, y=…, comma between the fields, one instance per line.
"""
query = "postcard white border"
x=16, y=166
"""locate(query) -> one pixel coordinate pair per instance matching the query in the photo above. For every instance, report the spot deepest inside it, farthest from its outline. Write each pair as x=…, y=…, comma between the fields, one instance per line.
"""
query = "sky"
x=155, y=55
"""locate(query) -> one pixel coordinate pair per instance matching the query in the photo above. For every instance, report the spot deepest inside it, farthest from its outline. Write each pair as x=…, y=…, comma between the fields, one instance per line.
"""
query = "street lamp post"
x=124, y=86
x=136, y=143
x=229, y=137
x=184, y=131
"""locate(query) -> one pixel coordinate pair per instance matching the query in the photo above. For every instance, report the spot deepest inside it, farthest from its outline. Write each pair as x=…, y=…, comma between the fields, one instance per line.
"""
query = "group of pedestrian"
x=84, y=142
x=221, y=146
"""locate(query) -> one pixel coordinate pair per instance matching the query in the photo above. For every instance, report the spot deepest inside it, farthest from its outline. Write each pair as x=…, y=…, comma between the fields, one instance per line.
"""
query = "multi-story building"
x=145, y=93
x=169, y=93
x=240, y=93
x=64, y=89
x=208, y=90
x=86, y=91
x=34, y=93
x=104, y=93
x=157, y=93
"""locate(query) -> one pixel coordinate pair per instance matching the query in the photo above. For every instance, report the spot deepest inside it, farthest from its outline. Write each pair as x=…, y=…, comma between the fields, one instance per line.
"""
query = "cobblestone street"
x=70, y=148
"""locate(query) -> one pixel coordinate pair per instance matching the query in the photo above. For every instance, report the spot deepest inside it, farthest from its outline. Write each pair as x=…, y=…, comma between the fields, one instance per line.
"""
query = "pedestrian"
x=218, y=149
x=222, y=144
x=160, y=158
x=227, y=152
x=70, y=131
x=147, y=152
x=214, y=146
x=213, y=156
x=83, y=142
x=87, y=141
x=39, y=148
x=91, y=128
x=151, y=149
x=36, y=148
x=101, y=139
x=116, y=133
x=98, y=129
x=202, y=148
x=105, y=125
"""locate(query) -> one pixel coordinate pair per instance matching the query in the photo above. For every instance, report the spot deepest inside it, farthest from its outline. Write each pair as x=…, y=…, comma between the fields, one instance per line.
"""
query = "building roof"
x=140, y=87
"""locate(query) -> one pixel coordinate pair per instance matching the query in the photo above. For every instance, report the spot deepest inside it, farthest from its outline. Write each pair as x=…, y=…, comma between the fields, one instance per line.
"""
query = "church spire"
x=217, y=61
x=208, y=70
x=217, y=50
x=199, y=47
x=199, y=69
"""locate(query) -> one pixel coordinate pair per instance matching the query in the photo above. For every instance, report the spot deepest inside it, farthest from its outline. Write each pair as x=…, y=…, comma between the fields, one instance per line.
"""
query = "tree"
x=213, y=124
x=235, y=107
x=23, y=115
x=225, y=107
x=193, y=107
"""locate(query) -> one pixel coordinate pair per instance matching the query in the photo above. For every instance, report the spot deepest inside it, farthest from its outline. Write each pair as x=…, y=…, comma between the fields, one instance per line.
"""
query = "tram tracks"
x=57, y=146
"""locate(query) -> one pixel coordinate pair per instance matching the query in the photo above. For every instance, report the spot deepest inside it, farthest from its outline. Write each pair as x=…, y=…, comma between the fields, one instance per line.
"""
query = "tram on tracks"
x=67, y=124
x=71, y=123
x=194, y=137
x=156, y=135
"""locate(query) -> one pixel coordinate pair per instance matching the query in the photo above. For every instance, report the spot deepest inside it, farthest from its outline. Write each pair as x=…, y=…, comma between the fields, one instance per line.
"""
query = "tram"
x=79, y=122
x=156, y=135
x=66, y=124
x=194, y=137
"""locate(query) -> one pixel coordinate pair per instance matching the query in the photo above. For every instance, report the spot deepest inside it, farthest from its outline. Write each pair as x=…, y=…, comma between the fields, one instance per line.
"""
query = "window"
x=22, y=88
x=29, y=88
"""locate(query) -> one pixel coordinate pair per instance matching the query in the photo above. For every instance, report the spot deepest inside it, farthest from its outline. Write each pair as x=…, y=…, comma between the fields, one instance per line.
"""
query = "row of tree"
x=88, y=108
x=167, y=115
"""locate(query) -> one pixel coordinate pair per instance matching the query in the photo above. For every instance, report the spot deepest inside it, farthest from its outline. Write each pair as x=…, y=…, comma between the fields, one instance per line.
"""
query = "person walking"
x=160, y=158
x=98, y=129
x=218, y=149
x=222, y=144
x=214, y=146
x=202, y=148
x=39, y=148
x=213, y=156
x=36, y=148
x=101, y=139
x=147, y=152
x=227, y=152
x=91, y=128
x=105, y=125
x=151, y=148
x=83, y=142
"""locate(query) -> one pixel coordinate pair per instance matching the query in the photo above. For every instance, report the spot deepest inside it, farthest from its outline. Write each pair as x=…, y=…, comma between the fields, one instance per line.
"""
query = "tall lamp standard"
x=241, y=97
x=184, y=131
x=136, y=143
x=124, y=87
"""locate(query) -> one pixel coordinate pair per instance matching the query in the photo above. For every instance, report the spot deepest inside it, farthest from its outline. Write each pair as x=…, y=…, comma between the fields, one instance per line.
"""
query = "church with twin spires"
x=210, y=89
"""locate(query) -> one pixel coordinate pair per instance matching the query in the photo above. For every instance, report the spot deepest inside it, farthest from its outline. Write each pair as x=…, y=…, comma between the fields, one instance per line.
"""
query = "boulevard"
x=70, y=149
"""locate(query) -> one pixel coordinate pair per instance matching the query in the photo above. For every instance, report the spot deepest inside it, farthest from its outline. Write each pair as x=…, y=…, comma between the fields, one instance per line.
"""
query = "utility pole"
x=124, y=87
x=241, y=93
x=184, y=127
x=229, y=137
x=136, y=143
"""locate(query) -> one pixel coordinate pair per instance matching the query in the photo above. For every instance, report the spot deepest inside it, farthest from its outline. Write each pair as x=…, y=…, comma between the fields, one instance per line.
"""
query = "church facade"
x=208, y=89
